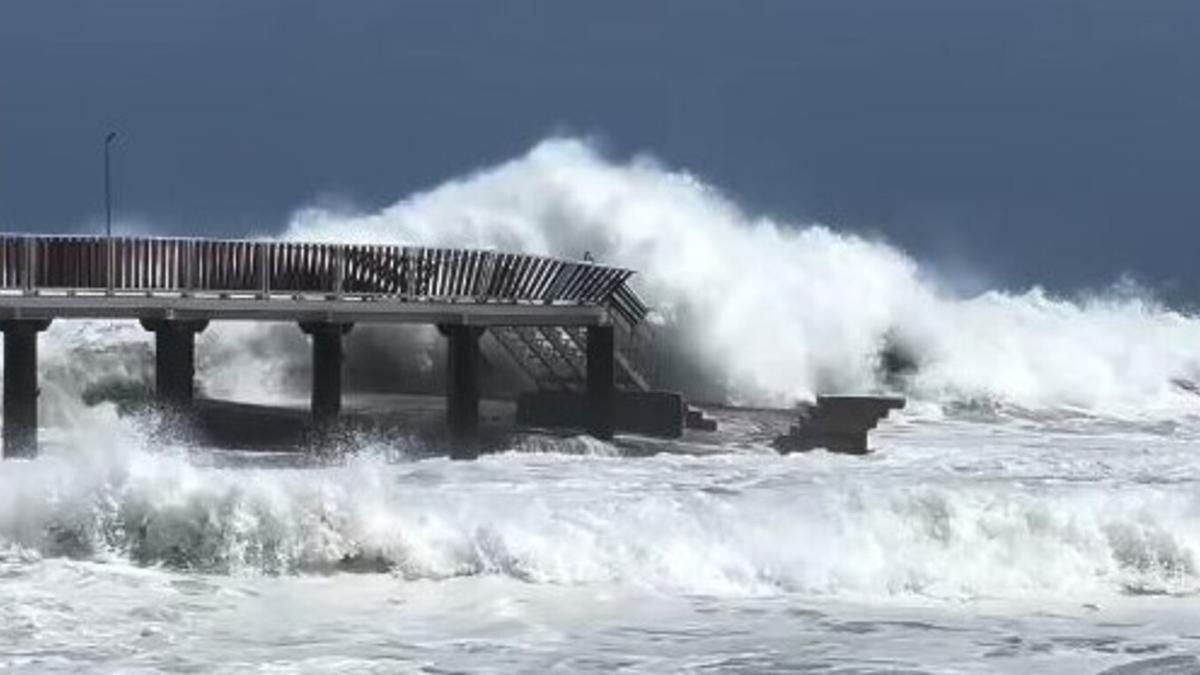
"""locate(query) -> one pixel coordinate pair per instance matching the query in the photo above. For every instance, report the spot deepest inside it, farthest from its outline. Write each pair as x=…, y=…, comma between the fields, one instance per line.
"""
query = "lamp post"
x=108, y=140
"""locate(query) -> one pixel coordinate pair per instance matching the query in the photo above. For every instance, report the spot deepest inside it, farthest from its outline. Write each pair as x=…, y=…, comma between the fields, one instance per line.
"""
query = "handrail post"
x=109, y=254
x=485, y=277
x=29, y=243
x=340, y=270
x=263, y=271
x=185, y=284
x=410, y=272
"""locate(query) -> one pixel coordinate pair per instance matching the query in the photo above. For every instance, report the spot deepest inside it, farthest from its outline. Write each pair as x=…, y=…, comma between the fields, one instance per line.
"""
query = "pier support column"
x=326, y=369
x=21, y=386
x=175, y=360
x=462, y=379
x=601, y=382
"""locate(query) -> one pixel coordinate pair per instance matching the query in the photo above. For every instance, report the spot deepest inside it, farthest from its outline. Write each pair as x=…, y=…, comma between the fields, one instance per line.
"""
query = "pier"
x=545, y=312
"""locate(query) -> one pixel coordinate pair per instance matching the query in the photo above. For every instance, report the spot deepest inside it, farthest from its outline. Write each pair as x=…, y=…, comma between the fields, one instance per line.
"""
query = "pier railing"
x=143, y=265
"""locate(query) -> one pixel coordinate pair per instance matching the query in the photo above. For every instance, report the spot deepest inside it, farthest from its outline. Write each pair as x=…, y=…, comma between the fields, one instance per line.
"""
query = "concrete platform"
x=837, y=423
x=289, y=426
x=651, y=413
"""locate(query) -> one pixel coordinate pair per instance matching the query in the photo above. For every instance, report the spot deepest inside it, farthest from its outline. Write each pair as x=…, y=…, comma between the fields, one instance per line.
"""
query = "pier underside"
x=49, y=305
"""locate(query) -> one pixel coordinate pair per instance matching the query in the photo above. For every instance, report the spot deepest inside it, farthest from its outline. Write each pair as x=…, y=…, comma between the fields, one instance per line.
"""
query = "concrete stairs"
x=554, y=358
x=837, y=423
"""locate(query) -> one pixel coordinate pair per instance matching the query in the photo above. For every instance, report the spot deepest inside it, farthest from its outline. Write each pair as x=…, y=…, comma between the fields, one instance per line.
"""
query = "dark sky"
x=1031, y=140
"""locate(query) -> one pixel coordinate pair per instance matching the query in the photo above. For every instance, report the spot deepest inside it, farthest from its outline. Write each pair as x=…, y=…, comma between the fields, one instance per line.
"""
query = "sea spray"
x=770, y=312
x=747, y=309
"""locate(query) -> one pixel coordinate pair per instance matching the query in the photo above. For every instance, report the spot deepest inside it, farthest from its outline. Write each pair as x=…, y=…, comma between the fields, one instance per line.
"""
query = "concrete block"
x=837, y=423
x=697, y=420
x=652, y=413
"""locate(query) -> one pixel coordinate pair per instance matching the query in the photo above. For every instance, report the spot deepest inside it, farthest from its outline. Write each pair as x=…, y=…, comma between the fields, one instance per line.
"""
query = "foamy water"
x=959, y=547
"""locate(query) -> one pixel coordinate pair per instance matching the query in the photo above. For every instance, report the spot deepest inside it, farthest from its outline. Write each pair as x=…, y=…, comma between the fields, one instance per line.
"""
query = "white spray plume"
x=776, y=311
x=770, y=312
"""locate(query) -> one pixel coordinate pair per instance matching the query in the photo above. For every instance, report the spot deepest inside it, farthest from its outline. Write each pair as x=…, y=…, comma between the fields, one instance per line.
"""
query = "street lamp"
x=108, y=140
x=108, y=242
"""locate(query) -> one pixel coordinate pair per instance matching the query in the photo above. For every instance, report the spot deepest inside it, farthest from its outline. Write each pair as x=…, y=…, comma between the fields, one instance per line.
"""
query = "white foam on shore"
x=665, y=524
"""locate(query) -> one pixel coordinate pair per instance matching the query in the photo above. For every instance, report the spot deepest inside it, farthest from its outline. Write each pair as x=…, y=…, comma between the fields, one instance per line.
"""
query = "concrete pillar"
x=21, y=386
x=326, y=369
x=175, y=360
x=462, y=378
x=601, y=382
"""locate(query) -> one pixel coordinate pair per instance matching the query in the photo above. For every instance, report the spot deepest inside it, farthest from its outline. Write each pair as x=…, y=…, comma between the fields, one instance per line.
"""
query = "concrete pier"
x=21, y=386
x=462, y=378
x=326, y=369
x=175, y=286
x=174, y=360
x=601, y=382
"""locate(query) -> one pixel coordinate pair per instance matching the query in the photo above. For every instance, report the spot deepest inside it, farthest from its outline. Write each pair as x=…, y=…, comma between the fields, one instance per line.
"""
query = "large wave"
x=748, y=309
x=773, y=312
x=770, y=530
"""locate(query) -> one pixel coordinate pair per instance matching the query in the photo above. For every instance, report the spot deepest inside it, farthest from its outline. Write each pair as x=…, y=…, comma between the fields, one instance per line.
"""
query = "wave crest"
x=756, y=310
x=593, y=520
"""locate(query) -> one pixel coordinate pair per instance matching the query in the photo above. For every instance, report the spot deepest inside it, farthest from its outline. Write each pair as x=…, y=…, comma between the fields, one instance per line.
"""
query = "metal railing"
x=121, y=265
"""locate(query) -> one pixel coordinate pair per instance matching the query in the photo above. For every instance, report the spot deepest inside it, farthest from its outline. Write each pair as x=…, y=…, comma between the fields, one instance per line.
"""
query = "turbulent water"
x=1034, y=509
x=961, y=546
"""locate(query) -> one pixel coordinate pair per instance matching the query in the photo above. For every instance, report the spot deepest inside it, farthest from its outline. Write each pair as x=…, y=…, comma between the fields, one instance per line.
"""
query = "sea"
x=961, y=545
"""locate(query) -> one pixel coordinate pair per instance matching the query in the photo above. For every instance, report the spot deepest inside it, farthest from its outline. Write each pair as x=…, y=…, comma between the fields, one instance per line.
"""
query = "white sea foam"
x=743, y=525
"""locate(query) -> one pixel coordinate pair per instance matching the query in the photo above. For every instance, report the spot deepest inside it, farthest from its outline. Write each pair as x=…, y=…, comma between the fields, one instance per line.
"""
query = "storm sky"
x=1017, y=141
